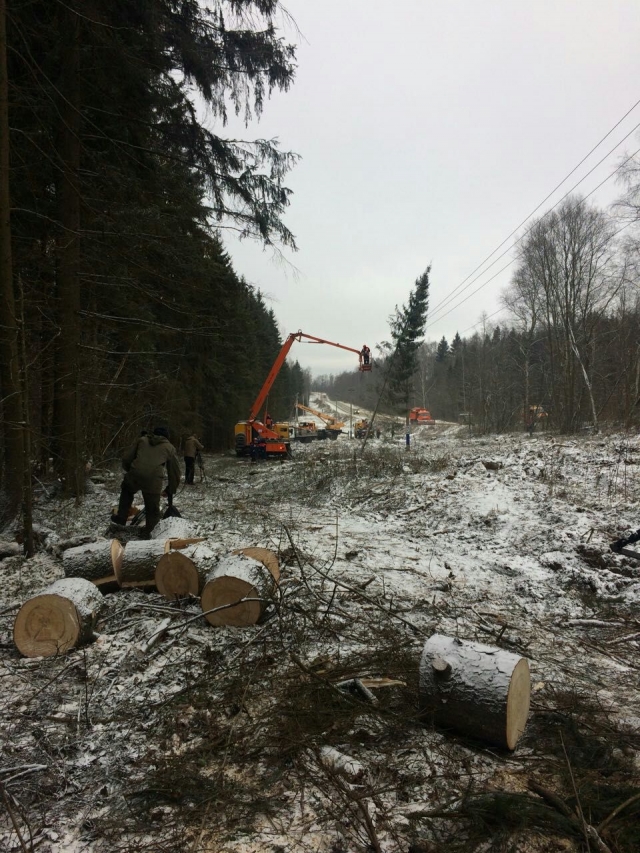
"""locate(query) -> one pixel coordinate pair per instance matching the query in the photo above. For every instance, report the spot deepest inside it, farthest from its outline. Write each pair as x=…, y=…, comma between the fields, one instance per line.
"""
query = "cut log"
x=183, y=573
x=268, y=558
x=479, y=690
x=9, y=549
x=240, y=585
x=97, y=562
x=59, y=618
x=139, y=561
x=175, y=528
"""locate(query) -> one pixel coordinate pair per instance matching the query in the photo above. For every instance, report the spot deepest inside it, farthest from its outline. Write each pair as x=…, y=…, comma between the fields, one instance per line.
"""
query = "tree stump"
x=180, y=573
x=59, y=618
x=479, y=690
x=97, y=562
x=139, y=561
x=237, y=577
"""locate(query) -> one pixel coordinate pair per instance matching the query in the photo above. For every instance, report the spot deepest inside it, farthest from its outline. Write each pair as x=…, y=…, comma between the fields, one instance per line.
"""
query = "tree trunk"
x=475, y=689
x=139, y=561
x=66, y=402
x=60, y=618
x=241, y=587
x=98, y=562
x=12, y=408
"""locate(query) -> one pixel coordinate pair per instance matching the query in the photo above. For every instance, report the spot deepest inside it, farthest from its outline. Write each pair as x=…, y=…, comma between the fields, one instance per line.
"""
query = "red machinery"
x=420, y=416
x=252, y=430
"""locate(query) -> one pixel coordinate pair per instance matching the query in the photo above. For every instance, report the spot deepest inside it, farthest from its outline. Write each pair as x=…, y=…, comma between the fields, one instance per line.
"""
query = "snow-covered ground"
x=217, y=739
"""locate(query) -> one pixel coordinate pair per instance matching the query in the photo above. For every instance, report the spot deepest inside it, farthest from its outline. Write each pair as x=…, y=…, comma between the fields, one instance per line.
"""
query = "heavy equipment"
x=252, y=430
x=361, y=428
x=420, y=416
x=333, y=427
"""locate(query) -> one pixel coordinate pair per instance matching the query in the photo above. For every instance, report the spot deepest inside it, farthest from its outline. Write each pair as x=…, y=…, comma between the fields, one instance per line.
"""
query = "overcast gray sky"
x=428, y=131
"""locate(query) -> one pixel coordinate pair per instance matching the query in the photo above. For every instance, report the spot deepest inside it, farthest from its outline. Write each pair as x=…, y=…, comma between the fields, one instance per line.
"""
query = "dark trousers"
x=189, y=468
x=151, y=504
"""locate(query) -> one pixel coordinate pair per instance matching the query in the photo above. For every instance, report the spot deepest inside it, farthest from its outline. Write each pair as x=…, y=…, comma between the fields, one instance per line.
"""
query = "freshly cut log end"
x=237, y=591
x=97, y=562
x=518, y=700
x=479, y=690
x=268, y=558
x=60, y=618
x=177, y=576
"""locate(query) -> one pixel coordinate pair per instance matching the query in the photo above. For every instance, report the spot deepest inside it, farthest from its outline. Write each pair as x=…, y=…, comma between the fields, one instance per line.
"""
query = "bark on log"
x=59, y=618
x=9, y=549
x=183, y=573
x=482, y=691
x=139, y=563
x=97, y=562
x=175, y=528
x=234, y=578
x=268, y=558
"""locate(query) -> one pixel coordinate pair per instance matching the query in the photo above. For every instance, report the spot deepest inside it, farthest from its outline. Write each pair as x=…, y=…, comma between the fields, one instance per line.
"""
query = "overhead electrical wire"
x=452, y=295
x=615, y=234
x=458, y=290
x=522, y=236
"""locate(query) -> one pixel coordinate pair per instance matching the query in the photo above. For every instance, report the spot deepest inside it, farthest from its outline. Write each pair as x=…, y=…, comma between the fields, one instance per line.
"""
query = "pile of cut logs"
x=481, y=691
x=234, y=589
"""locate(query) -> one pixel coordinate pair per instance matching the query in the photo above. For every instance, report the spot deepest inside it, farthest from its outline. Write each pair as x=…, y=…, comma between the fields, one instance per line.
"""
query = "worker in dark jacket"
x=191, y=447
x=144, y=463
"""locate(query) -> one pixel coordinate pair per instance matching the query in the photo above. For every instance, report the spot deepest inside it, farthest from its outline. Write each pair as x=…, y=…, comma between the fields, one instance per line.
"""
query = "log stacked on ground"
x=98, y=562
x=237, y=591
x=139, y=561
x=479, y=690
x=180, y=573
x=180, y=531
x=268, y=558
x=9, y=549
x=59, y=618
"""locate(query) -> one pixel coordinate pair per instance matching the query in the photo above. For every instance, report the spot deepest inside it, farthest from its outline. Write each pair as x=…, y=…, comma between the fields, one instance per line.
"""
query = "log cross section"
x=479, y=690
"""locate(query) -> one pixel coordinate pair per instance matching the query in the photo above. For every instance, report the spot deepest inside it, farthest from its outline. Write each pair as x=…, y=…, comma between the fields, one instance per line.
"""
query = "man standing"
x=191, y=447
x=144, y=464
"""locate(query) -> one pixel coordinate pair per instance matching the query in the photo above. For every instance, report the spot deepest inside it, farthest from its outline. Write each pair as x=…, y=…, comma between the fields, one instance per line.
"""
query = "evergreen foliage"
x=120, y=194
x=407, y=329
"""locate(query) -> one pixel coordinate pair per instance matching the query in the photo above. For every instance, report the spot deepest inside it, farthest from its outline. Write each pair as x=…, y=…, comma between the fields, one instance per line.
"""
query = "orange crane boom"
x=246, y=430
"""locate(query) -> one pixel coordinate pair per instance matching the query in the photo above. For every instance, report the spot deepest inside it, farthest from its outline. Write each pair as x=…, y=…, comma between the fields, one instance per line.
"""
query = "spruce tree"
x=407, y=330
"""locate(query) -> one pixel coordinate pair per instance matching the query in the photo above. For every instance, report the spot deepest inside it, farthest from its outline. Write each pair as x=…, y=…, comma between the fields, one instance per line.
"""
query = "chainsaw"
x=619, y=546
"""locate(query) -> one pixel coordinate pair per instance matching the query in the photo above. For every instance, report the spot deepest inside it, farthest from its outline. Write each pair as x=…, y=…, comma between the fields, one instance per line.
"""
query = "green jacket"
x=191, y=446
x=144, y=463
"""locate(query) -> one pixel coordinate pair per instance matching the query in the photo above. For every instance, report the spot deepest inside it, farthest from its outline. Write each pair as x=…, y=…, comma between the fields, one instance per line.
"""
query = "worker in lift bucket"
x=365, y=354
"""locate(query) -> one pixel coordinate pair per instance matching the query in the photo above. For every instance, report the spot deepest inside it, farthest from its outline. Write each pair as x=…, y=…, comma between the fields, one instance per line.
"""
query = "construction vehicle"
x=253, y=430
x=333, y=427
x=361, y=428
x=420, y=416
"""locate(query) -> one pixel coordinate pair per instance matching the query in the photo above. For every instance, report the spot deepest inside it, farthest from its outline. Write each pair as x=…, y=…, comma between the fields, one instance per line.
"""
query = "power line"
x=595, y=147
x=484, y=319
x=444, y=303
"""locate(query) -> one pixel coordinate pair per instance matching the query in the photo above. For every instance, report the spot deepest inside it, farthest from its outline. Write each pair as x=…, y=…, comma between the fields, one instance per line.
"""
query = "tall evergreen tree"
x=407, y=331
x=443, y=349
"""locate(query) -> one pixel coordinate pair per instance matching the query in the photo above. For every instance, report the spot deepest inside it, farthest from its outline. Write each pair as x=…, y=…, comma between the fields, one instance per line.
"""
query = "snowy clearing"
x=229, y=739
